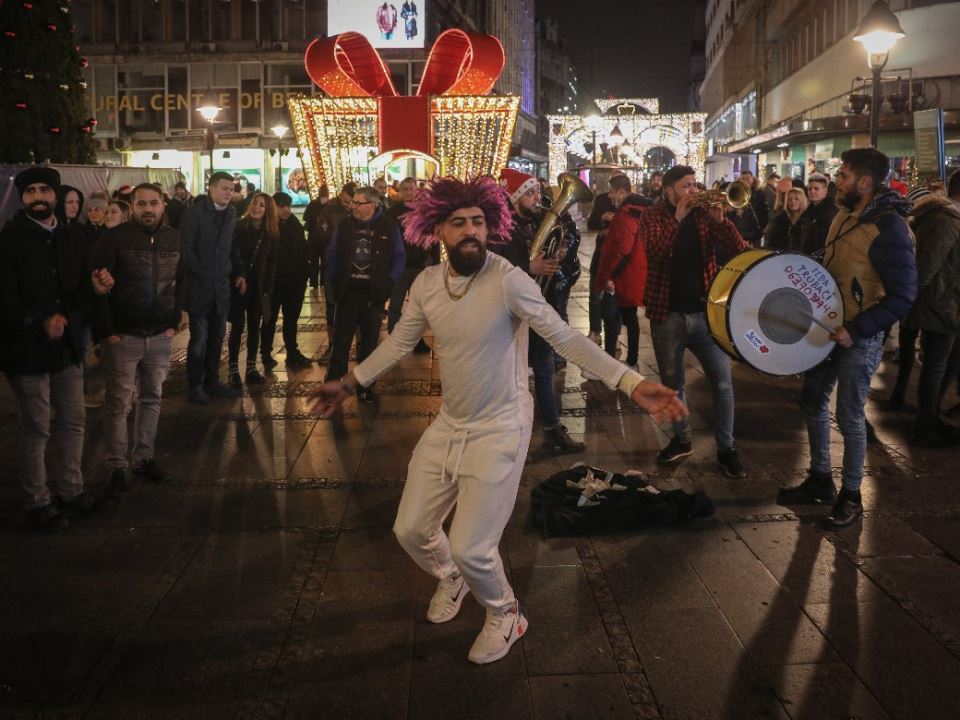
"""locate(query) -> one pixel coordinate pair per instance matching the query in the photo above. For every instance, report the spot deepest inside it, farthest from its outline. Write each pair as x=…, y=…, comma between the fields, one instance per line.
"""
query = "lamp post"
x=280, y=131
x=878, y=32
x=209, y=113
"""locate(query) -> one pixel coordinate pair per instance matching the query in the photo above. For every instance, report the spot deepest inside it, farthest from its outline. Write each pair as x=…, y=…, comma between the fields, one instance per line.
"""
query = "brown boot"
x=560, y=441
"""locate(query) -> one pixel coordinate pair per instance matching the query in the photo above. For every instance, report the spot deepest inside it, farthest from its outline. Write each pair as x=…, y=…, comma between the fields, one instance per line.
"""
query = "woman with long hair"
x=254, y=266
x=784, y=231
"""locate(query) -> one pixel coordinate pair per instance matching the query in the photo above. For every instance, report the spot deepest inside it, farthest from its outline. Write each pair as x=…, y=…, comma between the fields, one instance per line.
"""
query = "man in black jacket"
x=365, y=258
x=206, y=235
x=289, y=285
x=417, y=259
x=138, y=321
x=45, y=289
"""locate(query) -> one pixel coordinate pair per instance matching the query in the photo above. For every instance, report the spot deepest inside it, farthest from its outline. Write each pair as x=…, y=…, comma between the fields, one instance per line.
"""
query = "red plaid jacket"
x=659, y=226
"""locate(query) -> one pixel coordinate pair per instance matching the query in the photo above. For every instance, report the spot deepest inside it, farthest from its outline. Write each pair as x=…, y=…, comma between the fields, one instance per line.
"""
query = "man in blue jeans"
x=206, y=235
x=869, y=253
x=686, y=246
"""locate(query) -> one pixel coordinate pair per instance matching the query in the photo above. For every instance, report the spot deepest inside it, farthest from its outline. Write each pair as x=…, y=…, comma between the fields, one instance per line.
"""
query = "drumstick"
x=809, y=316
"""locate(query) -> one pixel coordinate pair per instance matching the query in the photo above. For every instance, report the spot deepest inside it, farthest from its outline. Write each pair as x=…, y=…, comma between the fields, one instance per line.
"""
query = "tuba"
x=737, y=195
x=550, y=235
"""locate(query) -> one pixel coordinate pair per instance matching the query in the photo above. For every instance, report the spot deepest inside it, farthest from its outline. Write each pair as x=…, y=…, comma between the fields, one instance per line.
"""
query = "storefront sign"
x=141, y=102
x=928, y=140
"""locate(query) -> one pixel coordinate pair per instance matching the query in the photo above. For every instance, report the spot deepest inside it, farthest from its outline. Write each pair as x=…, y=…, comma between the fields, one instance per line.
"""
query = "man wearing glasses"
x=366, y=256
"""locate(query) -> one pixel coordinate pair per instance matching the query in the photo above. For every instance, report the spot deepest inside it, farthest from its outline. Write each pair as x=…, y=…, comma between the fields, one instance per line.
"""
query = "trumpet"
x=736, y=195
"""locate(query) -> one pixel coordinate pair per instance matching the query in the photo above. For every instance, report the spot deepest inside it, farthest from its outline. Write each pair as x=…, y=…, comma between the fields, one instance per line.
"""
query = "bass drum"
x=763, y=308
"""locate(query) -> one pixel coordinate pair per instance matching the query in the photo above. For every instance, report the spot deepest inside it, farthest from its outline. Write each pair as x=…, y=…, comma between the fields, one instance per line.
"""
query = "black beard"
x=143, y=226
x=849, y=200
x=39, y=214
x=466, y=264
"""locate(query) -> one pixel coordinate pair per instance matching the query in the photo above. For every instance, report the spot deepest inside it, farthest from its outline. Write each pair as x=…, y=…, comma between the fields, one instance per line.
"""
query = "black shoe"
x=219, y=390
x=846, y=511
x=268, y=362
x=675, y=452
x=234, y=379
x=298, y=361
x=422, y=348
x=366, y=396
x=152, y=471
x=558, y=439
x=253, y=377
x=198, y=397
x=83, y=506
x=117, y=484
x=729, y=461
x=816, y=488
x=46, y=519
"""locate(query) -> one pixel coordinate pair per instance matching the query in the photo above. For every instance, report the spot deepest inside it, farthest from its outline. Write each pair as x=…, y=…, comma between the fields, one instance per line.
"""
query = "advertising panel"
x=390, y=24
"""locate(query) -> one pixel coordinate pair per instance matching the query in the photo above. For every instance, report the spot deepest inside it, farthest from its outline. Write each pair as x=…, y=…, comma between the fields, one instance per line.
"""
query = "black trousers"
x=249, y=315
x=356, y=310
x=289, y=299
x=628, y=316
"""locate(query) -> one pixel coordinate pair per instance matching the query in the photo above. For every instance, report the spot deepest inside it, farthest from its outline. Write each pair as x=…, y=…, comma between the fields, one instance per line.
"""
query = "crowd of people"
x=122, y=272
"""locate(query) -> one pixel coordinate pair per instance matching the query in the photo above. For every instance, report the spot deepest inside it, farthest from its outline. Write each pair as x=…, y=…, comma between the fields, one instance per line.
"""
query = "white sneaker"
x=499, y=633
x=446, y=601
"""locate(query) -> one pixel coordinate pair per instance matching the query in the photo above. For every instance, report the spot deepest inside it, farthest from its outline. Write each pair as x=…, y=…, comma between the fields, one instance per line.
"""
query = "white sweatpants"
x=478, y=471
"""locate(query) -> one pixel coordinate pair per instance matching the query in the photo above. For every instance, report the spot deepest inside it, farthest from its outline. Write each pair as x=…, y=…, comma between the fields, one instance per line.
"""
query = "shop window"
x=83, y=21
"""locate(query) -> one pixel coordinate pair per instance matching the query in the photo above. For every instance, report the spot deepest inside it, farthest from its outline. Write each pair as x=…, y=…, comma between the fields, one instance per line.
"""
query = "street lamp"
x=878, y=32
x=209, y=113
x=280, y=131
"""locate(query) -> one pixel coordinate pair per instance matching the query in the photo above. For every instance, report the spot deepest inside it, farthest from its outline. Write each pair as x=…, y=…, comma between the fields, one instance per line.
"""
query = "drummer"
x=686, y=245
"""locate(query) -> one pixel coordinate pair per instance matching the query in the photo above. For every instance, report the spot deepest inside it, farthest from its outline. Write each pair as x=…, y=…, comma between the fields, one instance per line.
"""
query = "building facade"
x=153, y=63
x=783, y=80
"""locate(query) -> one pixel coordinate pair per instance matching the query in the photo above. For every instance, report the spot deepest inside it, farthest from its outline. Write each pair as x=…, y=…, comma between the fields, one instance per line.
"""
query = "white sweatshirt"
x=481, y=341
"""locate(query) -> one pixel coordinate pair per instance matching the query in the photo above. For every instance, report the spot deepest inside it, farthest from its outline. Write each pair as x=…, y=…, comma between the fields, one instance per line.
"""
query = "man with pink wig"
x=479, y=307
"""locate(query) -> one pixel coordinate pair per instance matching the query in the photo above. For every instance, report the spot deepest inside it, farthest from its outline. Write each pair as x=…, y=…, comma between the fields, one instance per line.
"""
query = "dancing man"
x=478, y=306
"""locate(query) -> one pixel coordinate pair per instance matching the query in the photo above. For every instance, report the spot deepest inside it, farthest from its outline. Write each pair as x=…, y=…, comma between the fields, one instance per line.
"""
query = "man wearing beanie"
x=45, y=290
x=524, y=194
x=289, y=285
x=206, y=236
x=686, y=246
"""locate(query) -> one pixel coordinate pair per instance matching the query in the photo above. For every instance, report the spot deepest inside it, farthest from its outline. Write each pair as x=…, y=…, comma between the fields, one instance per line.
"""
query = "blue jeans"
x=849, y=370
x=204, y=348
x=541, y=360
x=688, y=331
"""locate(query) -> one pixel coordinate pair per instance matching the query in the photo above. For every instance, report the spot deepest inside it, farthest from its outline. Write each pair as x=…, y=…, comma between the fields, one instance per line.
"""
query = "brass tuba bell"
x=572, y=190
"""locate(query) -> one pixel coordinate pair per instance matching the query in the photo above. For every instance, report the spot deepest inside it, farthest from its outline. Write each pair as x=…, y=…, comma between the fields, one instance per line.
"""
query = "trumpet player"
x=524, y=193
x=687, y=240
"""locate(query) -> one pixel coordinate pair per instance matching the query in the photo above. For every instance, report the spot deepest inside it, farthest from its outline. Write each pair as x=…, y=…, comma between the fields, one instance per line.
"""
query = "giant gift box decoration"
x=451, y=120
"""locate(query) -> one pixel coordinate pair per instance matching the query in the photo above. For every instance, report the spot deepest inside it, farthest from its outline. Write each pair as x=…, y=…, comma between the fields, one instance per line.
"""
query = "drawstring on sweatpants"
x=455, y=474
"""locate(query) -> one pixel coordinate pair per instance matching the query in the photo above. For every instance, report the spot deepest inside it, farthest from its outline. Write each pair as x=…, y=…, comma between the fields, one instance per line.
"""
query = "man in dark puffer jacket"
x=137, y=322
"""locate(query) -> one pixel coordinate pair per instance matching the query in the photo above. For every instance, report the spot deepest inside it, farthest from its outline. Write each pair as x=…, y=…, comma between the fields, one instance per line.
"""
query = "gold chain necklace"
x=457, y=296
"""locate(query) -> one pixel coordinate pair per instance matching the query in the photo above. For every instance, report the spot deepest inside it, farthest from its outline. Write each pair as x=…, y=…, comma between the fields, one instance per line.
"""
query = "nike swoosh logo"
x=459, y=592
x=506, y=638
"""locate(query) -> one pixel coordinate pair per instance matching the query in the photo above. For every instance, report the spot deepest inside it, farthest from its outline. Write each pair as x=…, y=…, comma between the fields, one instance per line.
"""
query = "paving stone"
x=802, y=559
x=370, y=548
x=272, y=451
x=580, y=697
x=526, y=549
x=479, y=695
x=368, y=700
x=235, y=577
x=697, y=667
x=944, y=532
x=372, y=506
x=567, y=636
x=884, y=536
x=900, y=663
x=827, y=690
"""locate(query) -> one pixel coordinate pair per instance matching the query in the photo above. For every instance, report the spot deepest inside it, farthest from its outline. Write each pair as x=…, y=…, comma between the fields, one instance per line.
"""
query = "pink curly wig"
x=444, y=196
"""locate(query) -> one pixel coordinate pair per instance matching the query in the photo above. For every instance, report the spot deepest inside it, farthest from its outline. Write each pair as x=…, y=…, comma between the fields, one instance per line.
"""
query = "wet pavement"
x=264, y=581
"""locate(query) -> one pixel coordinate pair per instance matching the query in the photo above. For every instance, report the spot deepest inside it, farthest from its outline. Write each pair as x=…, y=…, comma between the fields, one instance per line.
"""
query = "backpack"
x=586, y=500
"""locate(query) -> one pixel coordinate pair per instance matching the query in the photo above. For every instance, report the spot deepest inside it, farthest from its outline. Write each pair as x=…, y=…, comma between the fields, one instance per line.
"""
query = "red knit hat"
x=518, y=183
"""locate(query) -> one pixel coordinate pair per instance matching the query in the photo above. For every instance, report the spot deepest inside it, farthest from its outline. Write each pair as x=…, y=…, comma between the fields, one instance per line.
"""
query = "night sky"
x=629, y=48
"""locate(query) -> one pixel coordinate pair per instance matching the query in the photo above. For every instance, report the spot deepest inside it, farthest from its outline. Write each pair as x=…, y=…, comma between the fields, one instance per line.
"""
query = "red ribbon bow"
x=460, y=63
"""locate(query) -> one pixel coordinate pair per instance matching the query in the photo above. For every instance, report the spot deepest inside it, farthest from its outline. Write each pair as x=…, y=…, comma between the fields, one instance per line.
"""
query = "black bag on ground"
x=563, y=504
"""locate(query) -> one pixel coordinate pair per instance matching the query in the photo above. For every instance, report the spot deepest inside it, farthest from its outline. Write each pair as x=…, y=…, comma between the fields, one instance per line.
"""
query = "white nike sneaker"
x=499, y=633
x=446, y=601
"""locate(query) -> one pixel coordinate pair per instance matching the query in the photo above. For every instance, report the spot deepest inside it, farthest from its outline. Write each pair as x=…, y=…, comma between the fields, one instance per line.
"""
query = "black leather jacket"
x=147, y=296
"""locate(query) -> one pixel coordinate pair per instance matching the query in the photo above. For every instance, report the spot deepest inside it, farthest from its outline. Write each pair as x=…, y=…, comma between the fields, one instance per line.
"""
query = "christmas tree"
x=44, y=114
